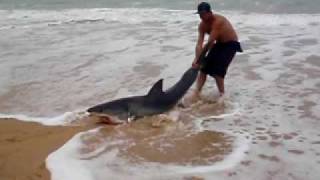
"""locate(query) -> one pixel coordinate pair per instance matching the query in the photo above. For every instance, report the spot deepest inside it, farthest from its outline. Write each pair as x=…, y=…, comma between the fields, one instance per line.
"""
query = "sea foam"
x=64, y=119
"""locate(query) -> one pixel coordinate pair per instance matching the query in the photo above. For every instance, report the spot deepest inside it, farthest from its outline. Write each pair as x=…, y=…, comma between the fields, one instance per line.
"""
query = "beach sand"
x=24, y=147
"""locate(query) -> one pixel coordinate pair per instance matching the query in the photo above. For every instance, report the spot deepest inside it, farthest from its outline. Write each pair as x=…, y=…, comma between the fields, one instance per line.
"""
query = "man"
x=222, y=46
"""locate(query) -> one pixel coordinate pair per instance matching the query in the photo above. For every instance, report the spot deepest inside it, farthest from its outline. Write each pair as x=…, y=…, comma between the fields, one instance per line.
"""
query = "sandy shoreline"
x=24, y=147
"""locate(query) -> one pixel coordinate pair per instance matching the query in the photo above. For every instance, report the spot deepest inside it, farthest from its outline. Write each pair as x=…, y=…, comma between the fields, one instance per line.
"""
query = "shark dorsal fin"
x=156, y=88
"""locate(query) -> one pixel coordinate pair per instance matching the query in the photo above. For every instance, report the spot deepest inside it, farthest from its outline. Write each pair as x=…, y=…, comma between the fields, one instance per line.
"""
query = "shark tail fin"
x=156, y=88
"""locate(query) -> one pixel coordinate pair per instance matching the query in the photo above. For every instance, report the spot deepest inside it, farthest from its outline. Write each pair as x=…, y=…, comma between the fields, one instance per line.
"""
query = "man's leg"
x=220, y=84
x=200, y=82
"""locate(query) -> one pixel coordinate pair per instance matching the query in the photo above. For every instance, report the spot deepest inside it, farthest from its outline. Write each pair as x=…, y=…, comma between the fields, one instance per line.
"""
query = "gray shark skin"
x=155, y=102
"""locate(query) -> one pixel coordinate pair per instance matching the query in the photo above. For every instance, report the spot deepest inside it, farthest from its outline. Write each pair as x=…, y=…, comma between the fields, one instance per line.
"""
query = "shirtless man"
x=222, y=46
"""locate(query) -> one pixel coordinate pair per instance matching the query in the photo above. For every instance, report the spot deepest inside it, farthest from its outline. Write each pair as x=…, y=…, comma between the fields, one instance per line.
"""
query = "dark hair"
x=204, y=7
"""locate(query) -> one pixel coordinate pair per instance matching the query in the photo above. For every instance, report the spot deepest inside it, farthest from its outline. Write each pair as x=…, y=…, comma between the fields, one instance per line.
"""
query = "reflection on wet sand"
x=181, y=148
x=178, y=143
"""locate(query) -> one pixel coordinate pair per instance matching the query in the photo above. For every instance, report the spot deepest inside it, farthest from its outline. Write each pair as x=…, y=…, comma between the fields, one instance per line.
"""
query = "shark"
x=156, y=101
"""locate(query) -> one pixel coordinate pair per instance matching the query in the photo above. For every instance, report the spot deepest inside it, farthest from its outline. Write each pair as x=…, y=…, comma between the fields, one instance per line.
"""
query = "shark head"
x=117, y=108
x=96, y=109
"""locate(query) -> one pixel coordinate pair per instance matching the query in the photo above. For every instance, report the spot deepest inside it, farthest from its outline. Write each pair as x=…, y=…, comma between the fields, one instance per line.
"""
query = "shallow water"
x=260, y=6
x=173, y=149
x=54, y=64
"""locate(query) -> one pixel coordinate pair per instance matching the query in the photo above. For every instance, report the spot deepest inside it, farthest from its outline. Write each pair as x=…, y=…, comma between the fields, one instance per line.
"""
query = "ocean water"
x=58, y=58
x=266, y=6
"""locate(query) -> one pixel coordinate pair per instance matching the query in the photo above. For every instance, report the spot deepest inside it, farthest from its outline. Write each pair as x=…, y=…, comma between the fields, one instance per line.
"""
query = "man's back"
x=222, y=27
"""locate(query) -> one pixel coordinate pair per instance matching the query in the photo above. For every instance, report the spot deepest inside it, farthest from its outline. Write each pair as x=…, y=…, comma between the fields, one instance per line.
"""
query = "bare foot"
x=157, y=123
x=189, y=100
x=221, y=99
x=195, y=97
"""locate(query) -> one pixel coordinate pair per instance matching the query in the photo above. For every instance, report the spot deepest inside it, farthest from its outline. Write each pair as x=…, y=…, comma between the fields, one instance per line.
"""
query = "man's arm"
x=212, y=39
x=202, y=50
x=199, y=45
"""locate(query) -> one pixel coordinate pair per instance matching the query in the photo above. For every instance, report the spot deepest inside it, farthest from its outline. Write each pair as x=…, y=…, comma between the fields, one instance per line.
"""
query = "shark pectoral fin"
x=130, y=117
x=156, y=88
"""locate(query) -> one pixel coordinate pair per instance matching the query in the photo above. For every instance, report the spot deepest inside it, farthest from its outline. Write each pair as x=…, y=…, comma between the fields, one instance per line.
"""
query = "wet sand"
x=24, y=147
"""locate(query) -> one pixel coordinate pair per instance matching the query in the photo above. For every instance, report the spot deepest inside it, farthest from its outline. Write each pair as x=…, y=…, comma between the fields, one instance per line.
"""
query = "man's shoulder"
x=220, y=18
x=220, y=21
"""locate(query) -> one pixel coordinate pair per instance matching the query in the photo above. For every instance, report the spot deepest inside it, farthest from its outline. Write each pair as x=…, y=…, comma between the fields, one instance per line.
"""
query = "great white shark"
x=155, y=102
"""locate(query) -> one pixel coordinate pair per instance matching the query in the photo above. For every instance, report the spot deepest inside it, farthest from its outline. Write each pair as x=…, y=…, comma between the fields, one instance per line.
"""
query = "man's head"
x=204, y=11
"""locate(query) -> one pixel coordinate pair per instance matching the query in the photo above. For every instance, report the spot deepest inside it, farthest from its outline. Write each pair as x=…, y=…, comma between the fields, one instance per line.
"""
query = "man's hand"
x=195, y=65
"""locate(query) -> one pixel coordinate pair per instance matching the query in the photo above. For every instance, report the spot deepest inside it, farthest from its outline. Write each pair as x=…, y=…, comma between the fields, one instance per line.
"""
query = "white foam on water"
x=220, y=116
x=240, y=147
x=104, y=161
x=140, y=15
x=64, y=119
x=66, y=163
x=63, y=163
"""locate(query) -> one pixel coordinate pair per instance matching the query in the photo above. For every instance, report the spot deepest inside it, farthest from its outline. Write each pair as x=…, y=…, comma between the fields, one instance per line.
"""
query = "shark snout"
x=95, y=109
